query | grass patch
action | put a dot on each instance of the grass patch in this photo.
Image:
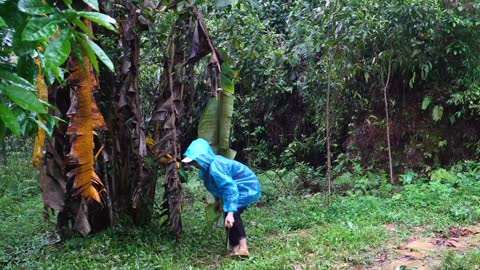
(466, 261)
(283, 233)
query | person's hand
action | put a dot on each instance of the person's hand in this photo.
(229, 220)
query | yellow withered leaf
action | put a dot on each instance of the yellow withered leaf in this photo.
(150, 142)
(84, 117)
(40, 138)
(166, 158)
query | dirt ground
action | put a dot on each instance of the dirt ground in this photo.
(425, 253)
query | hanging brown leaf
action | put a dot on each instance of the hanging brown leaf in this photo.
(84, 117)
(200, 45)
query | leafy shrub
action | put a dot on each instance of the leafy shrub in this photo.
(466, 261)
(18, 178)
(456, 191)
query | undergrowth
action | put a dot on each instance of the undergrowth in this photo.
(286, 229)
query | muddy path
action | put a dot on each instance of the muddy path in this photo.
(423, 253)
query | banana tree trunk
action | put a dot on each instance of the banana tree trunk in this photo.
(175, 86)
(130, 181)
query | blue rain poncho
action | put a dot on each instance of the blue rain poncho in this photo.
(226, 179)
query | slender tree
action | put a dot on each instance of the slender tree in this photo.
(387, 119)
(328, 119)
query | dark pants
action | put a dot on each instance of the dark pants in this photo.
(237, 231)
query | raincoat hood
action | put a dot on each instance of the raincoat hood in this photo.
(200, 151)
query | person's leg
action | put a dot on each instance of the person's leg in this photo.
(239, 236)
(233, 237)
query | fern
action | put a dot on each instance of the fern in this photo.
(437, 113)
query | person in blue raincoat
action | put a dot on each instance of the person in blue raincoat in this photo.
(230, 181)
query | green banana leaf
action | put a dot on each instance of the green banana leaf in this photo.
(216, 122)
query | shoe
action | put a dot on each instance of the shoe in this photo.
(239, 253)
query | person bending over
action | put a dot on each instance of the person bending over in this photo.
(230, 181)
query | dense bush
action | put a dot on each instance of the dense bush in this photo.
(284, 52)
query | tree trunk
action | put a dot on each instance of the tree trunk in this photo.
(128, 182)
(390, 161)
(175, 86)
(128, 179)
(329, 135)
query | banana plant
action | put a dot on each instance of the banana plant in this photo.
(216, 120)
(60, 38)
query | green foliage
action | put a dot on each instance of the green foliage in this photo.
(284, 52)
(100, 54)
(35, 7)
(9, 121)
(426, 102)
(216, 120)
(224, 3)
(437, 113)
(37, 30)
(17, 178)
(468, 260)
(92, 3)
(63, 22)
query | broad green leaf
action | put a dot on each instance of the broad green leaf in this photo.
(216, 122)
(208, 125)
(56, 119)
(437, 113)
(68, 2)
(35, 7)
(92, 3)
(48, 105)
(39, 28)
(23, 98)
(58, 50)
(227, 70)
(59, 74)
(49, 76)
(90, 54)
(12, 78)
(82, 26)
(426, 102)
(211, 215)
(226, 79)
(9, 120)
(225, 121)
(22, 47)
(26, 68)
(99, 18)
(70, 14)
(48, 130)
(227, 84)
(2, 22)
(78, 53)
(224, 3)
(27, 126)
(101, 54)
